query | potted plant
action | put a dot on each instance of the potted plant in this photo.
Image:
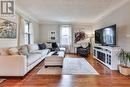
(124, 58)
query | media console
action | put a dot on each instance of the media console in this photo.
(107, 55)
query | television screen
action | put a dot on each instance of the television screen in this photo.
(106, 36)
(109, 35)
(98, 36)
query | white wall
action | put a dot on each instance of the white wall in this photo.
(121, 17)
(87, 28)
(45, 32)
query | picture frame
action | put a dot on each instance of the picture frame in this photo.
(8, 29)
(52, 32)
(53, 38)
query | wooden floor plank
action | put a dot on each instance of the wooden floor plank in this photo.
(107, 78)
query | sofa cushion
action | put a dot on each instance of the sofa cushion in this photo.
(48, 45)
(13, 51)
(24, 50)
(42, 52)
(4, 51)
(33, 47)
(33, 58)
(42, 46)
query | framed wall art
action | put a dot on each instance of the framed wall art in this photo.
(8, 29)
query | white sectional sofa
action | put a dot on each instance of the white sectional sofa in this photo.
(19, 65)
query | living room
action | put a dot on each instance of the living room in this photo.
(56, 43)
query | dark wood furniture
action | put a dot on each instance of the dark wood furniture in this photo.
(83, 51)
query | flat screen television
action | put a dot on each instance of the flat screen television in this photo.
(106, 36)
(98, 36)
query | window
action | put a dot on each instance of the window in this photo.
(65, 35)
(27, 34)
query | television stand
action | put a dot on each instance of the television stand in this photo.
(107, 56)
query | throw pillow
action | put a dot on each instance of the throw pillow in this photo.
(48, 45)
(42, 46)
(13, 51)
(23, 50)
(32, 47)
(4, 51)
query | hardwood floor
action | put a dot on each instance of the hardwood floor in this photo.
(107, 78)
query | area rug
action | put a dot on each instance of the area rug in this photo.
(71, 66)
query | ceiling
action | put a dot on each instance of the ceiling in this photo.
(83, 11)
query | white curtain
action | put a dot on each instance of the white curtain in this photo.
(21, 27)
(66, 37)
(21, 31)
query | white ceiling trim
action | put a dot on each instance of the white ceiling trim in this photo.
(25, 14)
(106, 13)
(55, 22)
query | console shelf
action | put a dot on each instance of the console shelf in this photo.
(107, 55)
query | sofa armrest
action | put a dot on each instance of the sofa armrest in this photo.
(13, 65)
